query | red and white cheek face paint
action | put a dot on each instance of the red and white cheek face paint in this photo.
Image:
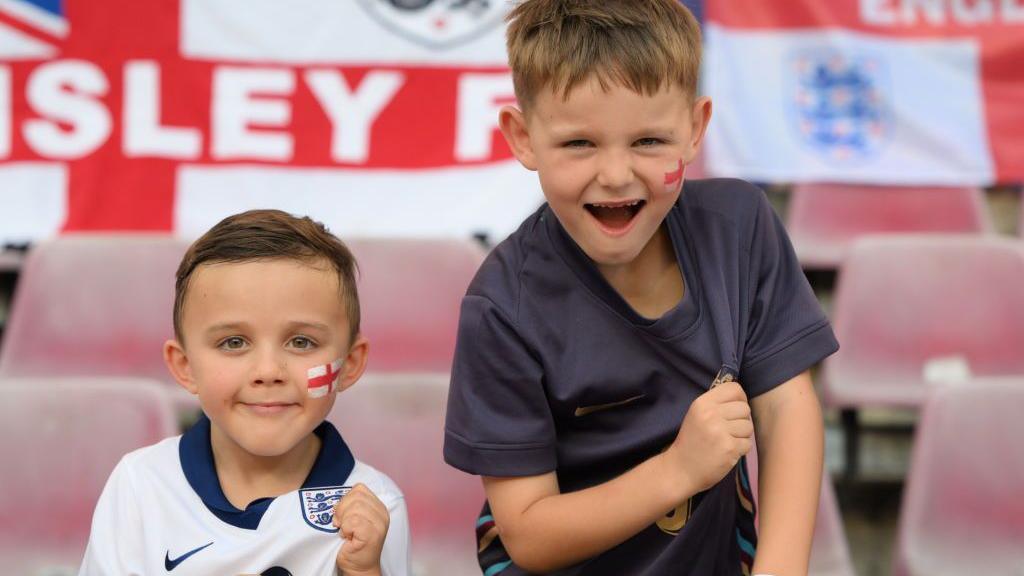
(674, 178)
(323, 378)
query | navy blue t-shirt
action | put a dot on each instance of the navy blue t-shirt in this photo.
(554, 371)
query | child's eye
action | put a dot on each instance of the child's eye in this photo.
(648, 142)
(232, 343)
(577, 144)
(302, 343)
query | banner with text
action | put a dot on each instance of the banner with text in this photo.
(376, 117)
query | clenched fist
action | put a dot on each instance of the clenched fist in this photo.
(716, 432)
(362, 520)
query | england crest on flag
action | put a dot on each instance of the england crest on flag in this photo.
(318, 505)
(437, 23)
(839, 105)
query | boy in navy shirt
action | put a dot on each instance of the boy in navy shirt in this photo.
(617, 352)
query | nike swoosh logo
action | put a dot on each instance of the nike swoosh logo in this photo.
(172, 564)
(584, 410)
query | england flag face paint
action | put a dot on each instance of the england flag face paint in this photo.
(674, 178)
(323, 378)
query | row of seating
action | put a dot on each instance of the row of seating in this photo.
(101, 305)
(59, 440)
(929, 311)
(824, 220)
(57, 456)
(963, 507)
(963, 504)
(89, 304)
(913, 310)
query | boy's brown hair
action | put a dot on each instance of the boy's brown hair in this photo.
(643, 45)
(269, 235)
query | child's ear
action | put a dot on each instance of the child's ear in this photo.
(513, 126)
(355, 363)
(700, 116)
(177, 364)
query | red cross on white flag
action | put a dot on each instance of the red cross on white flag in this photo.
(323, 378)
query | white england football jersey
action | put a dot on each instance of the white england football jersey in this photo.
(163, 512)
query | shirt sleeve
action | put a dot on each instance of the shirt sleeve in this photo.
(394, 558)
(787, 331)
(115, 541)
(499, 422)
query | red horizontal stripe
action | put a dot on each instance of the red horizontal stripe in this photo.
(416, 129)
(903, 18)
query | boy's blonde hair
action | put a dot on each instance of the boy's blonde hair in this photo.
(644, 45)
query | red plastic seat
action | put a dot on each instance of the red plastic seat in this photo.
(907, 305)
(93, 305)
(410, 292)
(963, 505)
(824, 219)
(59, 441)
(395, 423)
(830, 553)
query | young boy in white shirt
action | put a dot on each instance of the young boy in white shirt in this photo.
(266, 321)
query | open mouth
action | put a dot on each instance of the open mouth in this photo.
(615, 216)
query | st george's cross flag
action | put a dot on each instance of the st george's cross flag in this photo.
(378, 118)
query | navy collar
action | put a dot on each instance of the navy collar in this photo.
(332, 467)
(677, 322)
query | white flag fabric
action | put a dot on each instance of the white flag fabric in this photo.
(857, 91)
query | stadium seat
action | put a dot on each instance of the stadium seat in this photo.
(824, 219)
(93, 305)
(963, 504)
(59, 440)
(410, 292)
(395, 422)
(830, 553)
(910, 311)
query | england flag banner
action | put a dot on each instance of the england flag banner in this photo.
(866, 91)
(376, 117)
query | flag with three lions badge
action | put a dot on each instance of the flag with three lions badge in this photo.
(378, 117)
(870, 91)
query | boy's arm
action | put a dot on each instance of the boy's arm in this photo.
(790, 444)
(543, 529)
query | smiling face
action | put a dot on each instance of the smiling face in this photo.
(251, 333)
(610, 161)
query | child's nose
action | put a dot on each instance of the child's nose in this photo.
(270, 368)
(615, 169)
